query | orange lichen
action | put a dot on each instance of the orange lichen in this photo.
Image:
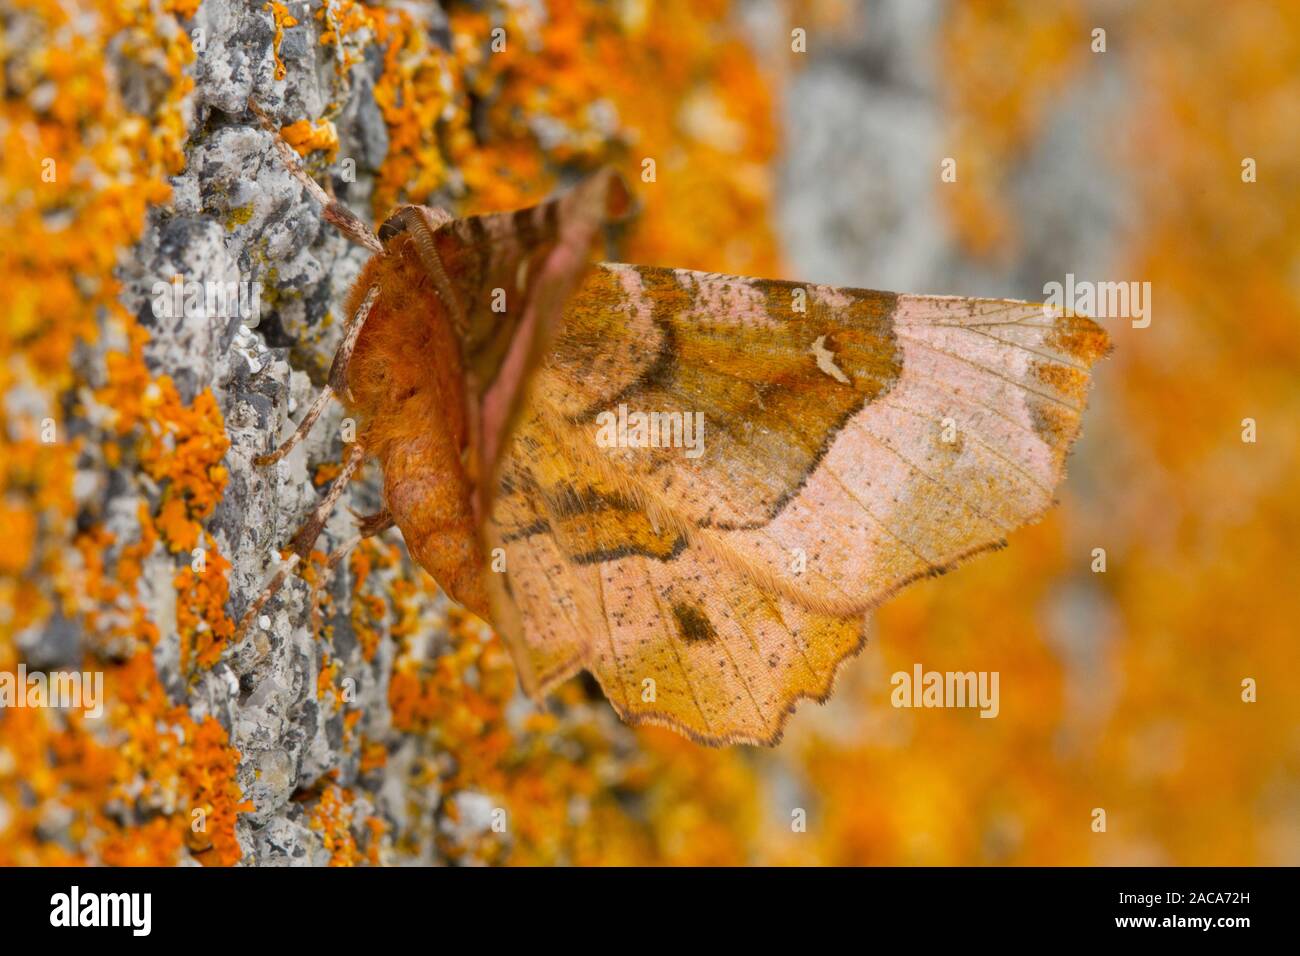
(369, 611)
(708, 129)
(174, 522)
(80, 171)
(187, 765)
(185, 9)
(190, 460)
(160, 760)
(201, 619)
(326, 680)
(412, 96)
(343, 24)
(306, 137)
(180, 447)
(374, 756)
(209, 776)
(283, 20)
(325, 473)
(376, 828)
(333, 819)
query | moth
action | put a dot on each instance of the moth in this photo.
(517, 398)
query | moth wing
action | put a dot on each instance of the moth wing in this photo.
(509, 275)
(853, 442)
(675, 634)
(967, 446)
(860, 437)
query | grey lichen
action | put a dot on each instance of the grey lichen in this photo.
(237, 215)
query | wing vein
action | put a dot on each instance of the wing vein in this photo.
(987, 447)
(996, 374)
(952, 493)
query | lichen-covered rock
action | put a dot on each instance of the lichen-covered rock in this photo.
(373, 723)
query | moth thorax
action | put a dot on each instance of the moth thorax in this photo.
(421, 223)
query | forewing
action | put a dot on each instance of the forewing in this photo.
(853, 442)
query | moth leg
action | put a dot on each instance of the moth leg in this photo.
(267, 593)
(337, 382)
(300, 544)
(371, 525)
(367, 527)
(337, 214)
(304, 427)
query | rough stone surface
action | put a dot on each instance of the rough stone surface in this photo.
(238, 215)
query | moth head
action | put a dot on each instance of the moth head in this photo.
(418, 222)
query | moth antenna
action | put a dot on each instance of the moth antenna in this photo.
(340, 216)
(266, 594)
(303, 429)
(301, 542)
